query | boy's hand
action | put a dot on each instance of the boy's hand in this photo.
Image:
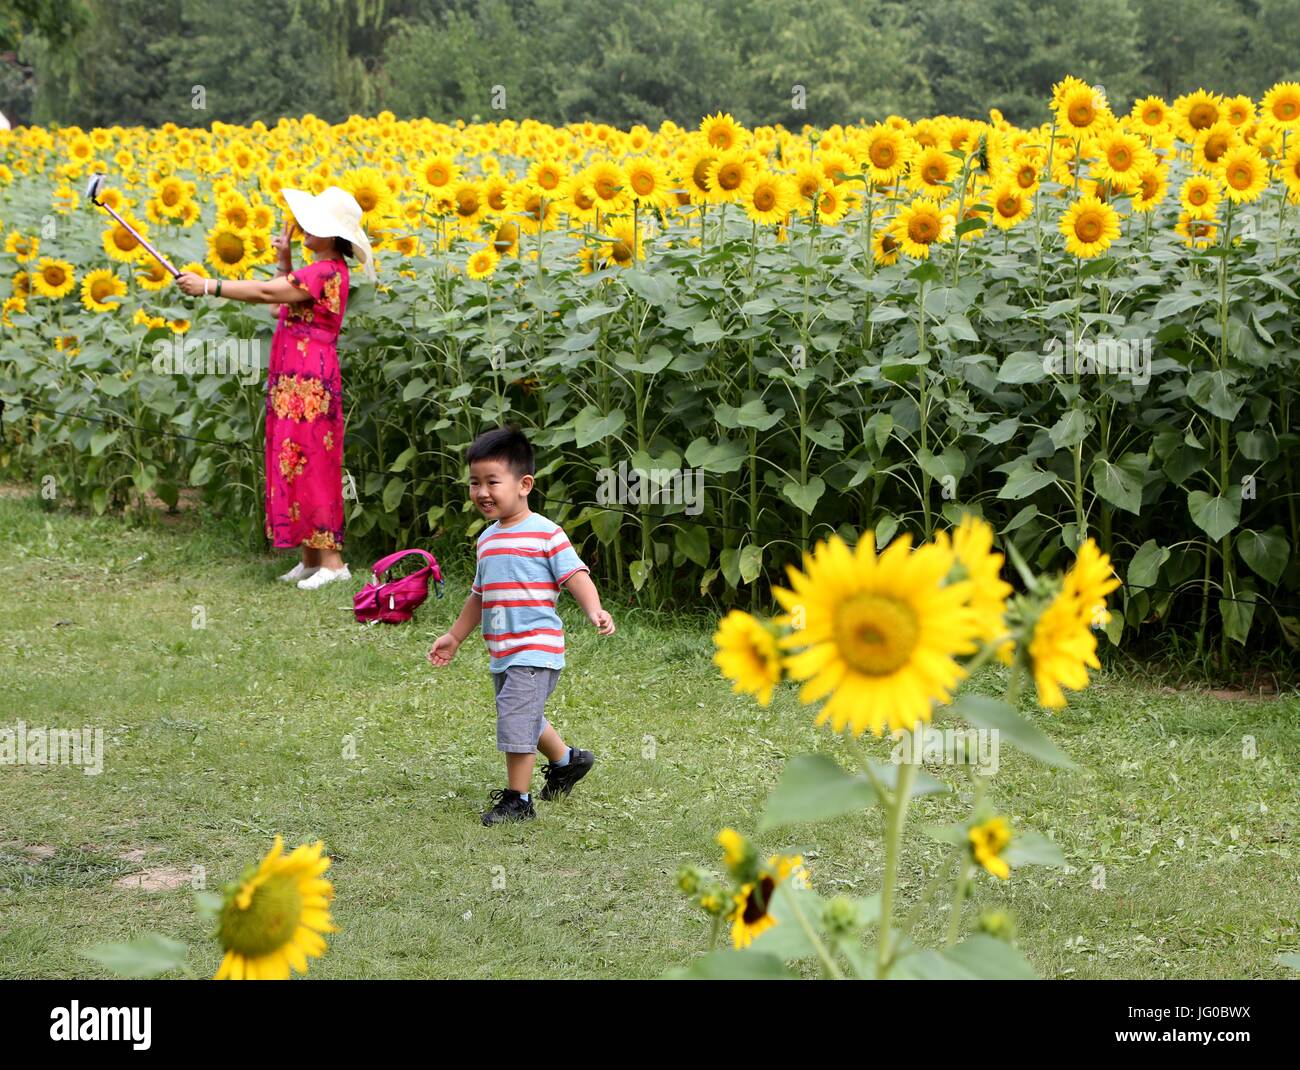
(603, 621)
(444, 649)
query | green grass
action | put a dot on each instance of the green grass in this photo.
(218, 738)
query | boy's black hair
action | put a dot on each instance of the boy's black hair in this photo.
(506, 444)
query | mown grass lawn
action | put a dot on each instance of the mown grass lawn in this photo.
(219, 737)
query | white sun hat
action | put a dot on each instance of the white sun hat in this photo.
(333, 213)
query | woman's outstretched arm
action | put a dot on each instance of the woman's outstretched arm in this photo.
(277, 291)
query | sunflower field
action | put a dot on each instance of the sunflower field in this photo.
(1084, 329)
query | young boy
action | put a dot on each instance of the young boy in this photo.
(523, 562)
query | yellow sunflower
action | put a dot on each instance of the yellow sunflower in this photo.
(1198, 111)
(932, 170)
(272, 920)
(1081, 111)
(1150, 115)
(1089, 226)
(368, 186)
(1291, 170)
(885, 247)
(920, 225)
(1151, 189)
(647, 181)
(747, 655)
(879, 633)
(102, 290)
(751, 910)
(1244, 174)
(481, 264)
(727, 175)
(1063, 646)
(120, 244)
(152, 276)
(885, 151)
(1200, 196)
(1281, 106)
(722, 132)
(53, 278)
(972, 546)
(23, 247)
(231, 251)
(436, 173)
(1120, 158)
(767, 197)
(987, 842)
(1011, 205)
(1212, 142)
(1198, 232)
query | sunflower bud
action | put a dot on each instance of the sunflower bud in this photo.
(689, 879)
(997, 923)
(841, 917)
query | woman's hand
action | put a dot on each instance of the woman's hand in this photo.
(192, 284)
(281, 245)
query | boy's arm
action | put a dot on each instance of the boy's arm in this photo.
(584, 591)
(446, 645)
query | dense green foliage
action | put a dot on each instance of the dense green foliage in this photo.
(100, 62)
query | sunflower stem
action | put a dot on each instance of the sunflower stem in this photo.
(896, 817)
(828, 960)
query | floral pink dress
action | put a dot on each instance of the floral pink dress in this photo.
(304, 414)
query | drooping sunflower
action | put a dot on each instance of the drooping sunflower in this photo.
(1197, 232)
(1063, 647)
(920, 225)
(987, 841)
(273, 919)
(767, 198)
(751, 911)
(748, 655)
(1089, 226)
(879, 633)
(1200, 196)
(230, 250)
(885, 248)
(972, 546)
(1011, 205)
(1244, 174)
(482, 264)
(1281, 106)
(102, 290)
(24, 248)
(53, 278)
(152, 275)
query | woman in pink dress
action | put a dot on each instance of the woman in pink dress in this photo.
(304, 393)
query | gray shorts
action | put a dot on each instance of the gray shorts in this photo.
(522, 691)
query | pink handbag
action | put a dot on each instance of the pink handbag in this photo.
(395, 602)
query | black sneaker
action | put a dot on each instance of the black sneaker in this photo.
(561, 778)
(509, 806)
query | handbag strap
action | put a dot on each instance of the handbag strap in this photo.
(385, 563)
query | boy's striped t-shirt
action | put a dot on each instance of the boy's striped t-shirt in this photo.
(520, 570)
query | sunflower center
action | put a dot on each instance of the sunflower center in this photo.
(883, 155)
(1286, 110)
(700, 174)
(1120, 158)
(507, 235)
(123, 240)
(466, 203)
(923, 229)
(367, 198)
(1088, 227)
(876, 634)
(1149, 186)
(1082, 113)
(729, 176)
(764, 198)
(1025, 176)
(1215, 147)
(54, 276)
(1240, 177)
(643, 183)
(229, 248)
(758, 900)
(269, 922)
(1201, 116)
(101, 289)
(1198, 195)
(621, 252)
(1008, 207)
